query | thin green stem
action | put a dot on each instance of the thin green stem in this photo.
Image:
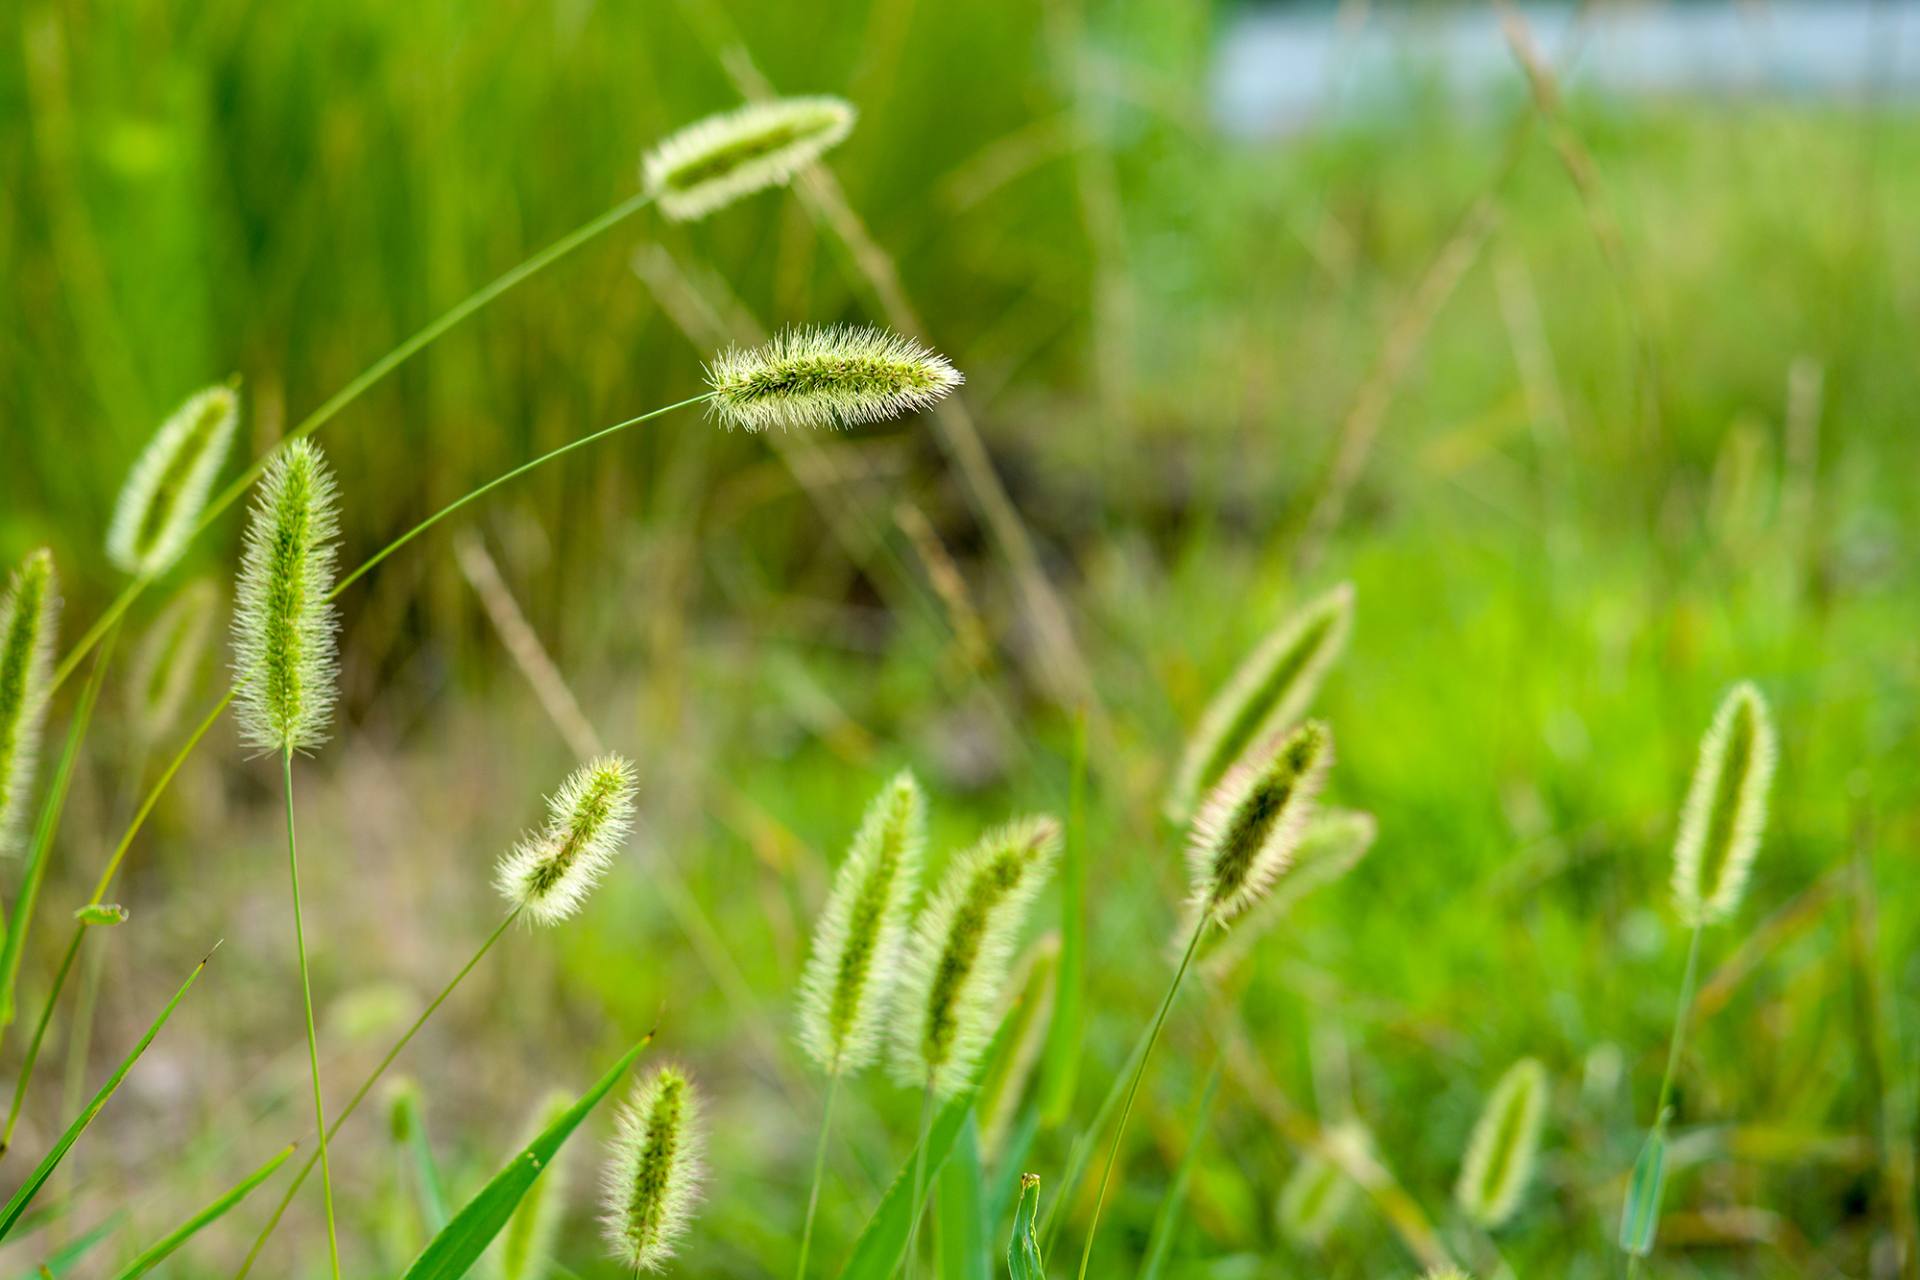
(373, 373)
(1133, 1086)
(1662, 1109)
(819, 1172)
(306, 993)
(39, 1036)
(909, 1262)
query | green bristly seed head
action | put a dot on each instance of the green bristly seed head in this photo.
(167, 488)
(524, 1248)
(551, 872)
(1269, 693)
(283, 628)
(1333, 843)
(1505, 1142)
(847, 987)
(28, 613)
(653, 1171)
(168, 658)
(957, 960)
(1247, 830)
(101, 914)
(834, 375)
(723, 158)
(1316, 1196)
(1726, 809)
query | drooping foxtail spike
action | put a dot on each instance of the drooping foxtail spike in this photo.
(550, 873)
(827, 375)
(714, 162)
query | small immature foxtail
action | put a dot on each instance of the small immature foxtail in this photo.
(653, 1171)
(1726, 809)
(167, 488)
(714, 162)
(1505, 1143)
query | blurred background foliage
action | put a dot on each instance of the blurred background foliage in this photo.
(1658, 436)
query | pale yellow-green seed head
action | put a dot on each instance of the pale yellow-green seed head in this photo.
(549, 874)
(167, 489)
(1505, 1144)
(29, 612)
(827, 376)
(1726, 809)
(1246, 831)
(724, 158)
(652, 1178)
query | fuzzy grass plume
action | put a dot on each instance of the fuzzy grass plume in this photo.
(855, 959)
(957, 961)
(827, 375)
(1332, 844)
(167, 488)
(652, 1177)
(1504, 1146)
(723, 158)
(283, 627)
(28, 614)
(1268, 694)
(1246, 832)
(551, 872)
(168, 657)
(1726, 809)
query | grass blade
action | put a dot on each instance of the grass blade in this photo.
(152, 1256)
(1167, 1222)
(54, 1264)
(10, 1216)
(1060, 1065)
(453, 1252)
(1640, 1216)
(961, 1217)
(1023, 1250)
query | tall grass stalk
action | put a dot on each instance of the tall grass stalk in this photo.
(306, 994)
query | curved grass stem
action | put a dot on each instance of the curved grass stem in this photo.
(1663, 1107)
(1133, 1086)
(306, 993)
(424, 337)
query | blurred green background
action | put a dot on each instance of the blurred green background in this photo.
(1618, 442)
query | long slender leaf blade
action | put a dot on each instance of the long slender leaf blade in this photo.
(1640, 1215)
(1166, 1223)
(10, 1216)
(962, 1209)
(152, 1256)
(1060, 1064)
(57, 1262)
(1023, 1250)
(453, 1252)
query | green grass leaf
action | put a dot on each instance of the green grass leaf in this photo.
(453, 1252)
(57, 1262)
(1640, 1216)
(10, 1216)
(154, 1255)
(961, 1218)
(1023, 1250)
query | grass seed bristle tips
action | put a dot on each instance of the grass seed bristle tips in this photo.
(1726, 809)
(1268, 693)
(1506, 1140)
(827, 375)
(723, 158)
(551, 872)
(167, 488)
(653, 1171)
(1247, 829)
(957, 960)
(854, 962)
(285, 667)
(168, 658)
(28, 614)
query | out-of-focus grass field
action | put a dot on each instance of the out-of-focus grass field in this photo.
(1163, 332)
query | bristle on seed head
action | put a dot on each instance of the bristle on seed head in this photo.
(549, 874)
(828, 375)
(653, 1171)
(1726, 809)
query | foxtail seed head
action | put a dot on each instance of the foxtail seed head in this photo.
(653, 1171)
(1506, 1140)
(1314, 1199)
(1726, 809)
(723, 158)
(167, 488)
(168, 658)
(827, 375)
(855, 960)
(1247, 829)
(551, 872)
(285, 667)
(1333, 843)
(28, 613)
(957, 960)
(1268, 693)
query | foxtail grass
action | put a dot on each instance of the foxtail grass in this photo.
(1268, 694)
(1504, 1146)
(167, 489)
(549, 874)
(653, 1171)
(29, 613)
(827, 375)
(1314, 1198)
(853, 965)
(1721, 824)
(284, 672)
(724, 158)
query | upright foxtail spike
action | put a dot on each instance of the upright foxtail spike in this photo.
(167, 488)
(830, 375)
(957, 960)
(1267, 695)
(1506, 1140)
(854, 964)
(549, 874)
(29, 612)
(285, 667)
(724, 158)
(1726, 809)
(1246, 832)
(653, 1171)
